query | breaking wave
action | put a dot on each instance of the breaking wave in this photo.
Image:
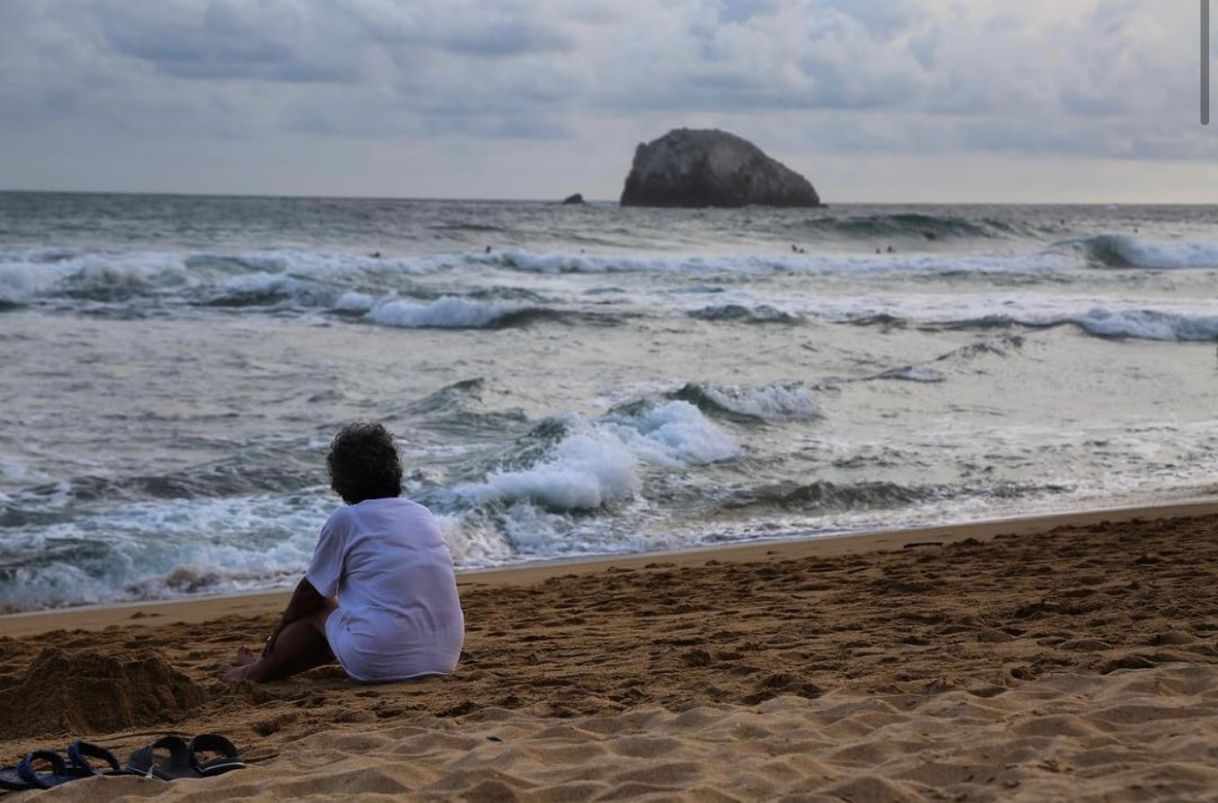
(1137, 324)
(585, 465)
(1121, 251)
(153, 551)
(451, 312)
(910, 225)
(769, 403)
(444, 313)
(770, 263)
(762, 313)
(1134, 324)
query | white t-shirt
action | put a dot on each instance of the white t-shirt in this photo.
(398, 612)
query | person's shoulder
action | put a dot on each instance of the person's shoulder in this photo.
(390, 503)
(413, 506)
(339, 518)
(391, 506)
(420, 510)
(419, 516)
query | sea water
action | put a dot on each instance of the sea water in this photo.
(578, 380)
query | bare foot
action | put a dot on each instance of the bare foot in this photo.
(245, 657)
(234, 674)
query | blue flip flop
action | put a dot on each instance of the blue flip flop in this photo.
(60, 772)
(24, 775)
(11, 781)
(79, 753)
(227, 757)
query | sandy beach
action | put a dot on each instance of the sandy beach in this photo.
(1064, 657)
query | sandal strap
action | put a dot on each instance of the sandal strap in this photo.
(80, 751)
(25, 769)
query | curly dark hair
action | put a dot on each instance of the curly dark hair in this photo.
(364, 463)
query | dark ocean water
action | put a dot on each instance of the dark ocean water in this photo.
(578, 380)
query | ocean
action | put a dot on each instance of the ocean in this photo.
(578, 380)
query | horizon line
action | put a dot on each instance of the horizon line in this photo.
(587, 201)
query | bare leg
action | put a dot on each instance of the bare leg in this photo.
(299, 647)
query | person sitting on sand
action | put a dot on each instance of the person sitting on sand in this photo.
(379, 594)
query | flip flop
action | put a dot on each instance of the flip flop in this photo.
(79, 753)
(227, 757)
(60, 772)
(166, 759)
(11, 781)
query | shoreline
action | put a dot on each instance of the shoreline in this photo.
(257, 603)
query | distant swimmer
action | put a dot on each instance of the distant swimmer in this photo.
(891, 250)
(488, 250)
(878, 251)
(795, 249)
(375, 255)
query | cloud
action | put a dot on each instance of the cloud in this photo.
(1088, 78)
(271, 40)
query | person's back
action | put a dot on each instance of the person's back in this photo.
(399, 615)
(380, 594)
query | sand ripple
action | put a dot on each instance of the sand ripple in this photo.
(1127, 736)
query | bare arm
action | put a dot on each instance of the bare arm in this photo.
(305, 600)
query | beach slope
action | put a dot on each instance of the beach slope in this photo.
(1072, 658)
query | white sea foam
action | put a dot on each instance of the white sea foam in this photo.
(164, 549)
(598, 462)
(1138, 324)
(474, 540)
(1122, 251)
(1148, 324)
(167, 549)
(585, 471)
(674, 435)
(449, 312)
(25, 275)
(351, 301)
(29, 273)
(318, 265)
(1180, 320)
(19, 281)
(746, 264)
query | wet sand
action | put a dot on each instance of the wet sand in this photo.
(1058, 657)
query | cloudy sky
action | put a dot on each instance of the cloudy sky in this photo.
(873, 100)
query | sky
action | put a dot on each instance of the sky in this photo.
(872, 100)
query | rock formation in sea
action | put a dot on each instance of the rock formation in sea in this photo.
(709, 167)
(577, 198)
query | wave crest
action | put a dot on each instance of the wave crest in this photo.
(1122, 251)
(762, 313)
(910, 225)
(769, 403)
(571, 464)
